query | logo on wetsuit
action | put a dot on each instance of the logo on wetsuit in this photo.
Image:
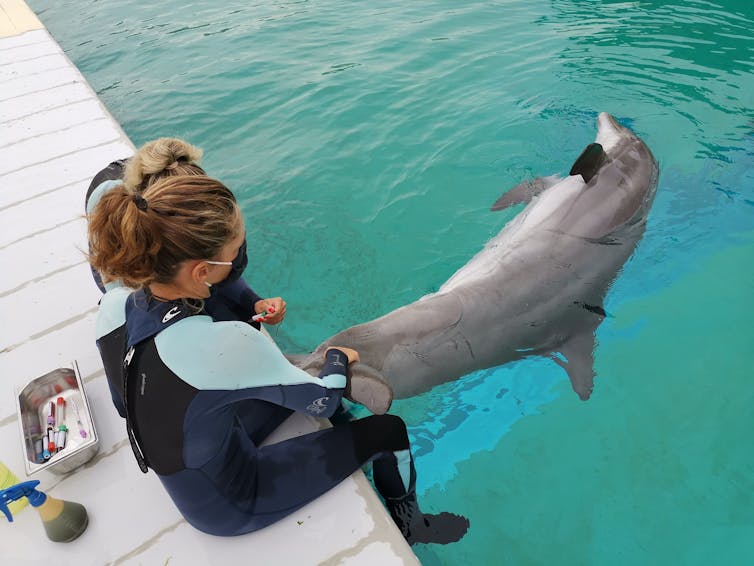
(318, 405)
(175, 311)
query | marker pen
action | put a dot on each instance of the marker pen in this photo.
(51, 415)
(263, 314)
(51, 441)
(39, 450)
(61, 437)
(60, 414)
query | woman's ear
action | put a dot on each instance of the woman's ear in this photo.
(199, 272)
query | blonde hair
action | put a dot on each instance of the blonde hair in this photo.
(160, 158)
(142, 238)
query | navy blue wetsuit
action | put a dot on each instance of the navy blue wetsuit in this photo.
(202, 396)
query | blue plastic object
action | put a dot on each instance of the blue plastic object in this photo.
(23, 489)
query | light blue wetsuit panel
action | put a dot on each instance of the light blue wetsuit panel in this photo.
(112, 311)
(97, 193)
(229, 355)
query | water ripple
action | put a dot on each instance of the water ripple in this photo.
(370, 140)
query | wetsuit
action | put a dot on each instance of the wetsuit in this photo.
(201, 397)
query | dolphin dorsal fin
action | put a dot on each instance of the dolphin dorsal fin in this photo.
(589, 162)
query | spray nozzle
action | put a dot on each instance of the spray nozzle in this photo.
(23, 489)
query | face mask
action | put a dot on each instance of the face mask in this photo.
(237, 266)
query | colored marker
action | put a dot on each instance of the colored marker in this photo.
(61, 437)
(39, 450)
(51, 441)
(263, 314)
(60, 414)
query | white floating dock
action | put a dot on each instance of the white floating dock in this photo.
(55, 135)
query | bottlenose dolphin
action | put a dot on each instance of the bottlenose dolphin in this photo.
(536, 289)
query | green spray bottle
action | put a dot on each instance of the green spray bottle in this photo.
(63, 521)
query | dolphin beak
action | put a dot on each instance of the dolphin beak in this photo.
(609, 131)
(608, 123)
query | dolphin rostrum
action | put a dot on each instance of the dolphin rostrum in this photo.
(536, 289)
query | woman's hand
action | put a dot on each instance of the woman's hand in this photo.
(275, 308)
(353, 355)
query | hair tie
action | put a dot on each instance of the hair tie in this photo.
(172, 166)
(141, 202)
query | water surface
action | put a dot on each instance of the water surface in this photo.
(367, 141)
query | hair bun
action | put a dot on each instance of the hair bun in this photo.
(160, 158)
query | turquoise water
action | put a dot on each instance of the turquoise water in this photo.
(367, 142)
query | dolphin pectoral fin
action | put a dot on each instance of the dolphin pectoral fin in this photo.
(525, 191)
(368, 387)
(365, 385)
(589, 162)
(578, 351)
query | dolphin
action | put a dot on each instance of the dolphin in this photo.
(535, 289)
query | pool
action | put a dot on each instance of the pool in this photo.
(367, 143)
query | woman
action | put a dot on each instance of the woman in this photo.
(201, 395)
(169, 157)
